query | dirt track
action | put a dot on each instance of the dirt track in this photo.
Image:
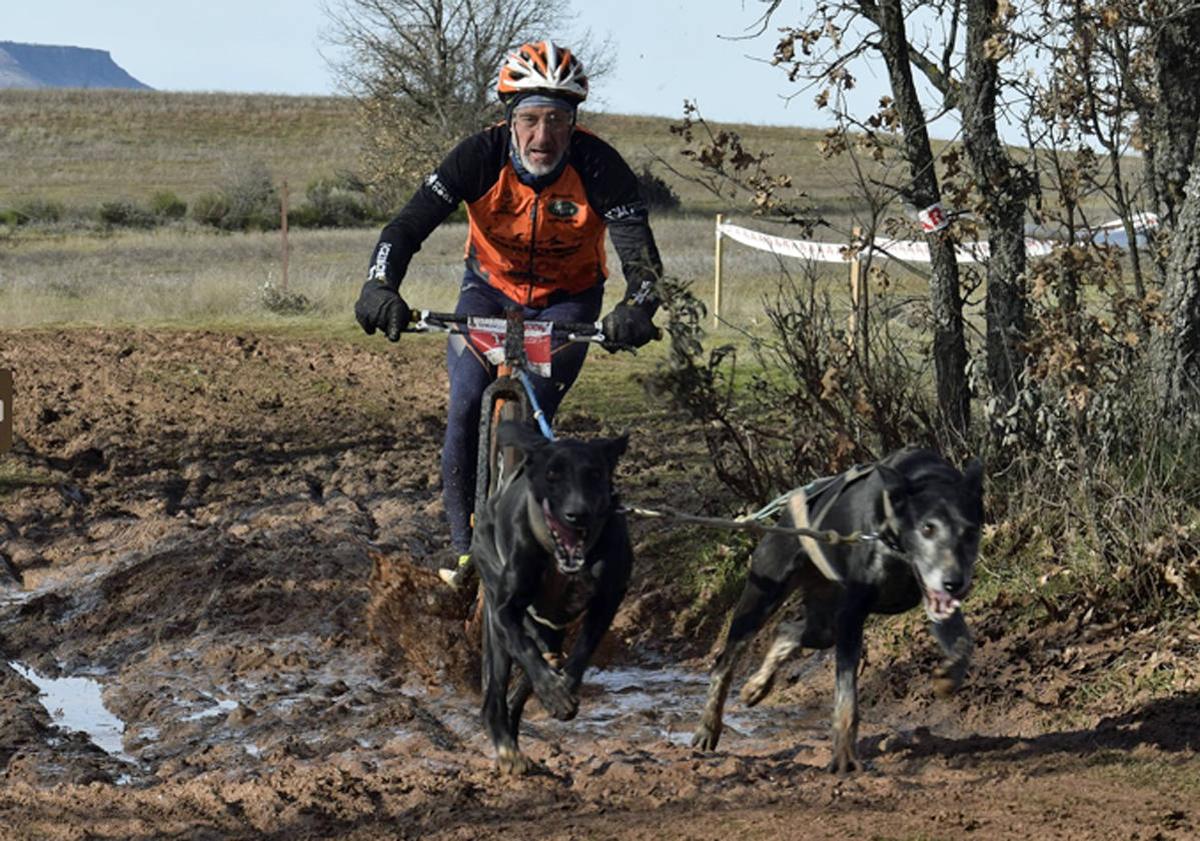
(196, 543)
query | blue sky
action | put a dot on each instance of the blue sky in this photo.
(666, 50)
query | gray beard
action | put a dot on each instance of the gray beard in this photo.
(539, 170)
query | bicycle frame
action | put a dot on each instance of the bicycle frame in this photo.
(510, 395)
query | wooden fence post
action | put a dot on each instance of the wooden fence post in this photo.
(6, 410)
(855, 291)
(717, 274)
(283, 220)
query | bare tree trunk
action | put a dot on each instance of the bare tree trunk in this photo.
(949, 344)
(1177, 111)
(1176, 179)
(1181, 342)
(1005, 187)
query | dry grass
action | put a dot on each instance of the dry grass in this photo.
(194, 276)
(82, 147)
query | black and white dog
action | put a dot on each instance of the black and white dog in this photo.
(549, 546)
(926, 516)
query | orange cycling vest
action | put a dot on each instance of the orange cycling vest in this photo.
(529, 244)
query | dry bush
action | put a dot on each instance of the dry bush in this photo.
(1110, 482)
(794, 400)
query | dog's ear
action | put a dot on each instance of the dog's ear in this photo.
(525, 437)
(614, 448)
(895, 491)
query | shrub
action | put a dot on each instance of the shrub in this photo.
(656, 192)
(168, 206)
(247, 201)
(283, 301)
(253, 202)
(126, 214)
(1107, 479)
(304, 216)
(42, 211)
(10, 217)
(337, 202)
(796, 401)
(210, 209)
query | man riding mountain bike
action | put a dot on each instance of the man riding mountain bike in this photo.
(540, 193)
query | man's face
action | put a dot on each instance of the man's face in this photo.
(542, 133)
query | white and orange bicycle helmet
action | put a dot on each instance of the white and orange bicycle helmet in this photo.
(542, 68)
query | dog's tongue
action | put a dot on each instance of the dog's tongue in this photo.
(940, 605)
(568, 538)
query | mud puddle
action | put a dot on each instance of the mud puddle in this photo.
(640, 704)
(257, 713)
(75, 704)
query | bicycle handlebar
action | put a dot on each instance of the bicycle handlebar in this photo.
(425, 321)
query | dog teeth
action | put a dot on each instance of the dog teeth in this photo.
(571, 559)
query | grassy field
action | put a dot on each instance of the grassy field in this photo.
(184, 276)
(82, 147)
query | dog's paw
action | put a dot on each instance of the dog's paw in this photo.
(756, 689)
(554, 693)
(706, 737)
(510, 762)
(844, 761)
(948, 677)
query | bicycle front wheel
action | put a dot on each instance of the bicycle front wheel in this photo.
(503, 400)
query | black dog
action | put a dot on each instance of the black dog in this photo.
(549, 546)
(927, 517)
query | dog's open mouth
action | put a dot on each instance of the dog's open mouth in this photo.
(570, 547)
(940, 605)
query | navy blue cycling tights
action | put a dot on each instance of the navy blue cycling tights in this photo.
(469, 377)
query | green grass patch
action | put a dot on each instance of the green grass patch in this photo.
(1178, 774)
(14, 478)
(710, 575)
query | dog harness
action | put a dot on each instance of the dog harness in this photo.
(811, 504)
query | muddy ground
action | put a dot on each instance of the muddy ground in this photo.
(197, 521)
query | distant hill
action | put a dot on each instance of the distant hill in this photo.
(46, 66)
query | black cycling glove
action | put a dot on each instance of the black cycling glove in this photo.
(628, 325)
(380, 307)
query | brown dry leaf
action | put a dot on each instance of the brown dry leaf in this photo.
(1185, 579)
(830, 385)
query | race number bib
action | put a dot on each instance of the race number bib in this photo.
(487, 335)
